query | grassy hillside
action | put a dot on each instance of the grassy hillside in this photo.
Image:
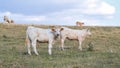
(106, 53)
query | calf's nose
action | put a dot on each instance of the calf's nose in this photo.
(57, 34)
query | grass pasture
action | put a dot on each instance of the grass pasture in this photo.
(106, 53)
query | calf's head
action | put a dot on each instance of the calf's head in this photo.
(55, 32)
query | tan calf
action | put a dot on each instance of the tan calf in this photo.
(79, 23)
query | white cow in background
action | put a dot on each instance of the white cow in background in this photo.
(34, 34)
(7, 20)
(72, 34)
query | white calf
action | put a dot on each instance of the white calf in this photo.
(34, 34)
(73, 34)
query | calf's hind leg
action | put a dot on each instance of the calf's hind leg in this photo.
(34, 47)
(80, 45)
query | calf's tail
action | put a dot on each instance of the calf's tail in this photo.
(27, 41)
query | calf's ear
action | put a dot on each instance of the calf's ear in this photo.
(61, 29)
(53, 29)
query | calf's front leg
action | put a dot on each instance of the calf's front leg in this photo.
(50, 47)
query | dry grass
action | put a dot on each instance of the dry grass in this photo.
(106, 54)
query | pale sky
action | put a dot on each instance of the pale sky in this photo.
(62, 12)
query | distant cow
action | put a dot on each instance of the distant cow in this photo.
(7, 20)
(34, 34)
(79, 23)
(72, 34)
